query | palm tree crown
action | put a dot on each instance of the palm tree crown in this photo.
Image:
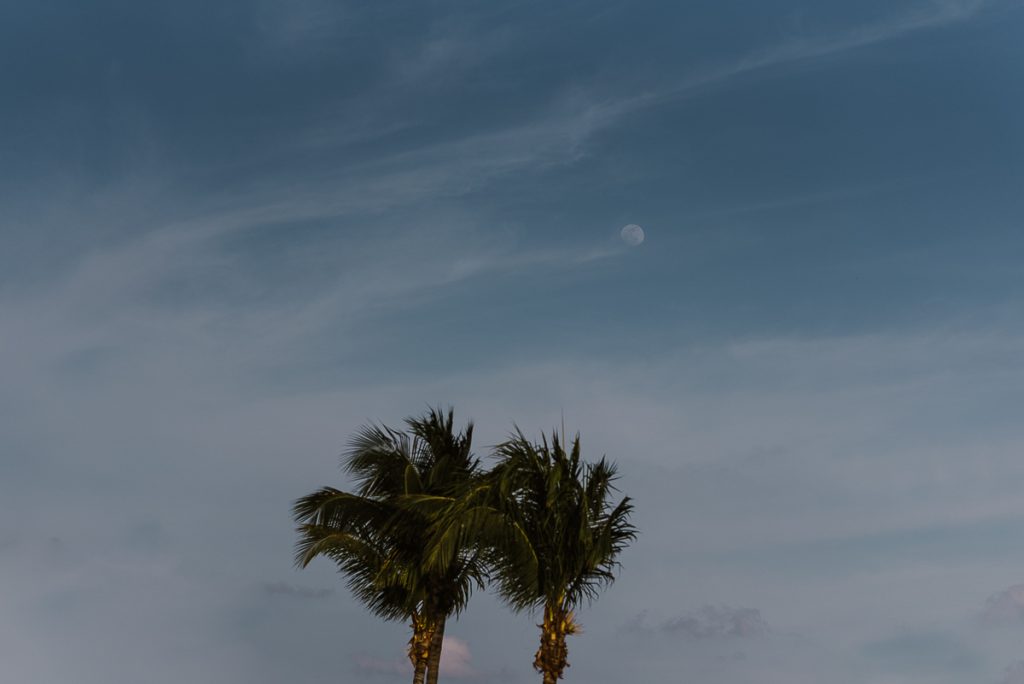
(379, 544)
(552, 529)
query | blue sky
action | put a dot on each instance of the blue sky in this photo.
(234, 232)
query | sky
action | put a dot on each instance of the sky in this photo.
(233, 232)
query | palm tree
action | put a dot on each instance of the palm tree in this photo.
(380, 545)
(553, 532)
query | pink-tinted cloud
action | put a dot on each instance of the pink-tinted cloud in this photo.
(455, 659)
(455, 662)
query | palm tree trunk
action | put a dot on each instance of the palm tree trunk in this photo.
(434, 662)
(419, 672)
(553, 655)
(419, 648)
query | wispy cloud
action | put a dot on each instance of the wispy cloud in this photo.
(559, 134)
(927, 15)
(437, 169)
(129, 296)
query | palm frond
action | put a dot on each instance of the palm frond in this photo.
(562, 507)
(378, 536)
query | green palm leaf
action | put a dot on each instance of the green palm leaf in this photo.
(378, 535)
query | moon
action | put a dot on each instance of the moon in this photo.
(632, 234)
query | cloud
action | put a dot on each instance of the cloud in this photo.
(553, 135)
(1005, 607)
(456, 659)
(924, 16)
(293, 591)
(557, 134)
(456, 662)
(718, 622)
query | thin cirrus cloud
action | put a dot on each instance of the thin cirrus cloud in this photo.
(559, 136)
(116, 299)
(925, 16)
